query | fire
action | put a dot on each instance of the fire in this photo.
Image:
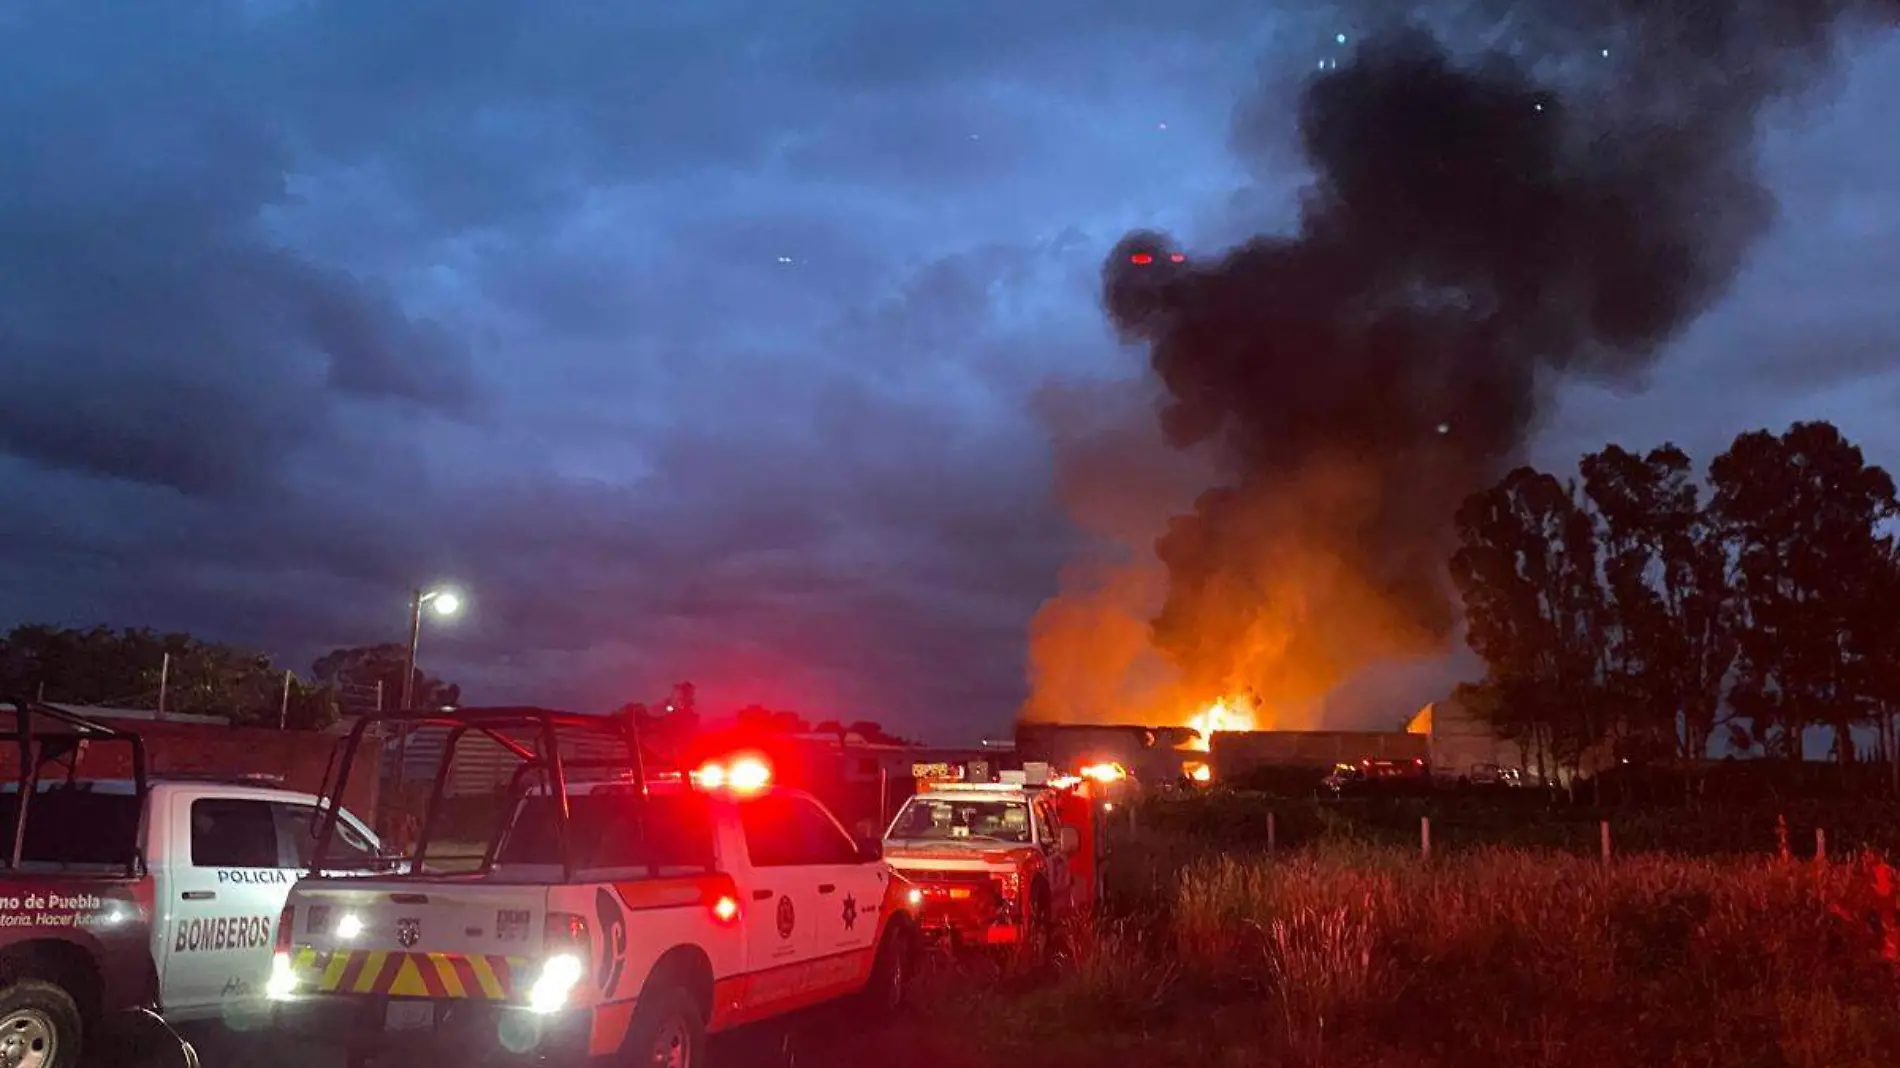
(1219, 716)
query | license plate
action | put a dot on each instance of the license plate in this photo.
(409, 1016)
(959, 895)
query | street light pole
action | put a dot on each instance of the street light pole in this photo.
(415, 638)
(446, 604)
(408, 688)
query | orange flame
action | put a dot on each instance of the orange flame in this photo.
(1230, 714)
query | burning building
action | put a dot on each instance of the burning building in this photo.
(1480, 227)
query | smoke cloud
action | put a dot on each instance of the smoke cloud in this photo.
(1481, 225)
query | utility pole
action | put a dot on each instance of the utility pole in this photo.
(408, 688)
(283, 710)
(164, 678)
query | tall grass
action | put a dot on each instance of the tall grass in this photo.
(1366, 957)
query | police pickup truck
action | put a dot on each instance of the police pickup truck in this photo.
(627, 915)
(141, 893)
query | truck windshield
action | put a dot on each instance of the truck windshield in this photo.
(74, 826)
(934, 818)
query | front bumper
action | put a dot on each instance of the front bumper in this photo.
(982, 921)
(463, 1032)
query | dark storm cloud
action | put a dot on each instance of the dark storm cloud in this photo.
(303, 303)
(152, 330)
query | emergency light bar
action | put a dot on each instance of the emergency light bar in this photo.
(743, 775)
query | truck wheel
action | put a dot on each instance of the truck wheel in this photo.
(39, 1026)
(1036, 928)
(667, 1032)
(889, 988)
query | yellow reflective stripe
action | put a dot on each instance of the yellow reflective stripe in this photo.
(408, 982)
(485, 975)
(445, 971)
(333, 972)
(372, 969)
(328, 972)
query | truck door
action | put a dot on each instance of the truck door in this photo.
(781, 896)
(226, 867)
(848, 890)
(1060, 866)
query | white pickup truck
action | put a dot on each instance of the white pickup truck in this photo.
(624, 917)
(219, 856)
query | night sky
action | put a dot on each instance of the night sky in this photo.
(713, 341)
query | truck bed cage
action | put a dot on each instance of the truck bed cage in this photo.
(36, 746)
(545, 725)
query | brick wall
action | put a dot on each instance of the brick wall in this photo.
(299, 757)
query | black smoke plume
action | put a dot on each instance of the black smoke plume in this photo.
(1479, 227)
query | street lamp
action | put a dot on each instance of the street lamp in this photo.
(444, 602)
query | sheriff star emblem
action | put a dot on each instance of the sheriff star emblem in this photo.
(850, 912)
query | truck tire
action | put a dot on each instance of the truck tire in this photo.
(1038, 922)
(889, 988)
(668, 1031)
(40, 1026)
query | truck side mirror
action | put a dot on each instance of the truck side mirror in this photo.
(1071, 840)
(870, 848)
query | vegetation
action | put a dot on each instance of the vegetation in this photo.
(1627, 611)
(126, 668)
(1366, 956)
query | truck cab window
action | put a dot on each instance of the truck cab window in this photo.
(230, 833)
(301, 824)
(825, 841)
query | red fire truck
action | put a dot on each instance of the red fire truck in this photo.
(999, 863)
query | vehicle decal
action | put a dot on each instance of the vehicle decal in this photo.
(216, 934)
(742, 999)
(787, 917)
(479, 977)
(850, 912)
(613, 941)
(511, 925)
(254, 877)
(640, 895)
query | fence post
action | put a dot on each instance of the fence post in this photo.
(1603, 838)
(1273, 834)
(1425, 837)
(1820, 845)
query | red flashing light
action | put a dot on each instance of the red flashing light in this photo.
(726, 909)
(1141, 259)
(744, 774)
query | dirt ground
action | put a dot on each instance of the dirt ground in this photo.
(803, 1043)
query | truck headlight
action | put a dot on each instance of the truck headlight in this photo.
(559, 976)
(283, 978)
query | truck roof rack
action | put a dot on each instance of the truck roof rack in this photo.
(44, 734)
(31, 717)
(220, 778)
(532, 735)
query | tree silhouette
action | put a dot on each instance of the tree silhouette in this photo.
(1527, 569)
(360, 670)
(1629, 609)
(1800, 513)
(1669, 607)
(124, 668)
